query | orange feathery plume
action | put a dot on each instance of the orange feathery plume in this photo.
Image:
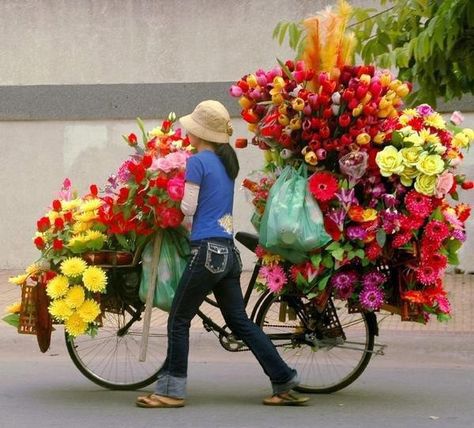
(327, 46)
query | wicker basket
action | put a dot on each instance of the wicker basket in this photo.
(27, 323)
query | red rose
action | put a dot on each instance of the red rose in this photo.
(241, 143)
(467, 185)
(68, 216)
(56, 205)
(43, 224)
(171, 217)
(94, 190)
(57, 245)
(59, 224)
(147, 161)
(132, 139)
(39, 242)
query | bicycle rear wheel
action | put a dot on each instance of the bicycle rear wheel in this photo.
(111, 358)
(326, 365)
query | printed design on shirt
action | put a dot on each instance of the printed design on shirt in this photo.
(226, 223)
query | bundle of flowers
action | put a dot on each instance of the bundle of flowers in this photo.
(142, 198)
(382, 174)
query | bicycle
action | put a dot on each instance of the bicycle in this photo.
(329, 346)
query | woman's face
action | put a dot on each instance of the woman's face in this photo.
(193, 140)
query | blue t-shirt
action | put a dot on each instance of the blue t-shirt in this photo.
(213, 216)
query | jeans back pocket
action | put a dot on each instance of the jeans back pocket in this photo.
(216, 257)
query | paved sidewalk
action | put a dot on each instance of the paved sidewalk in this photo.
(459, 286)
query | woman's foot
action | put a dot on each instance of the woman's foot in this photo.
(285, 399)
(154, 401)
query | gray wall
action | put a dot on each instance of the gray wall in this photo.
(75, 73)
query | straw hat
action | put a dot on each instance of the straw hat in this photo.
(210, 121)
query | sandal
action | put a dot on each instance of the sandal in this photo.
(153, 401)
(285, 399)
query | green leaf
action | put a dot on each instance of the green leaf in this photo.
(328, 261)
(123, 242)
(141, 125)
(323, 282)
(285, 69)
(381, 237)
(12, 319)
(333, 246)
(283, 29)
(316, 259)
(301, 281)
(338, 254)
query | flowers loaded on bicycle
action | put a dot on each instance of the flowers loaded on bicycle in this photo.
(105, 227)
(384, 177)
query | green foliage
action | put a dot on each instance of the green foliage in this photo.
(430, 42)
(12, 319)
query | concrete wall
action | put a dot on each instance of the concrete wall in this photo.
(75, 74)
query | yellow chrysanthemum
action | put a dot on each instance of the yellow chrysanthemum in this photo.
(469, 132)
(75, 325)
(92, 235)
(91, 205)
(59, 309)
(14, 308)
(404, 119)
(57, 287)
(270, 259)
(80, 227)
(89, 310)
(75, 296)
(410, 112)
(435, 120)
(78, 239)
(95, 279)
(71, 205)
(19, 279)
(86, 216)
(33, 269)
(73, 267)
(428, 137)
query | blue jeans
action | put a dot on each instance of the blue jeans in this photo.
(215, 265)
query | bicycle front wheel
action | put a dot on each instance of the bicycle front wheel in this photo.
(326, 365)
(111, 358)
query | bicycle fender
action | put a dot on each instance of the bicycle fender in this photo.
(372, 322)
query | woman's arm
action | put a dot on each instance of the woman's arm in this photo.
(190, 198)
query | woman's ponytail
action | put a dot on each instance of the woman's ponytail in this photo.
(229, 159)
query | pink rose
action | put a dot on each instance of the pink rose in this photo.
(175, 188)
(457, 118)
(444, 184)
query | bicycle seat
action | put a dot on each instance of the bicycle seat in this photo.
(249, 240)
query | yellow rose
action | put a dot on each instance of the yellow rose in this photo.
(460, 140)
(408, 174)
(363, 139)
(369, 214)
(414, 138)
(469, 132)
(390, 161)
(411, 155)
(426, 184)
(430, 164)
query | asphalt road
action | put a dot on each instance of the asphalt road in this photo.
(424, 380)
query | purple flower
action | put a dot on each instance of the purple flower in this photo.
(371, 298)
(373, 279)
(424, 110)
(378, 190)
(459, 234)
(390, 200)
(337, 216)
(344, 283)
(391, 221)
(346, 198)
(356, 232)
(354, 165)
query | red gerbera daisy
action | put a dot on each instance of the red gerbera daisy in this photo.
(418, 205)
(323, 186)
(436, 231)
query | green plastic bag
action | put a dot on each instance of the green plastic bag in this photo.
(292, 224)
(174, 255)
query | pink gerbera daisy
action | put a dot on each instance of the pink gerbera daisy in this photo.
(418, 205)
(436, 231)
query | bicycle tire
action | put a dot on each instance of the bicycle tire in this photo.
(111, 361)
(315, 366)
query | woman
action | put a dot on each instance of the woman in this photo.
(215, 263)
